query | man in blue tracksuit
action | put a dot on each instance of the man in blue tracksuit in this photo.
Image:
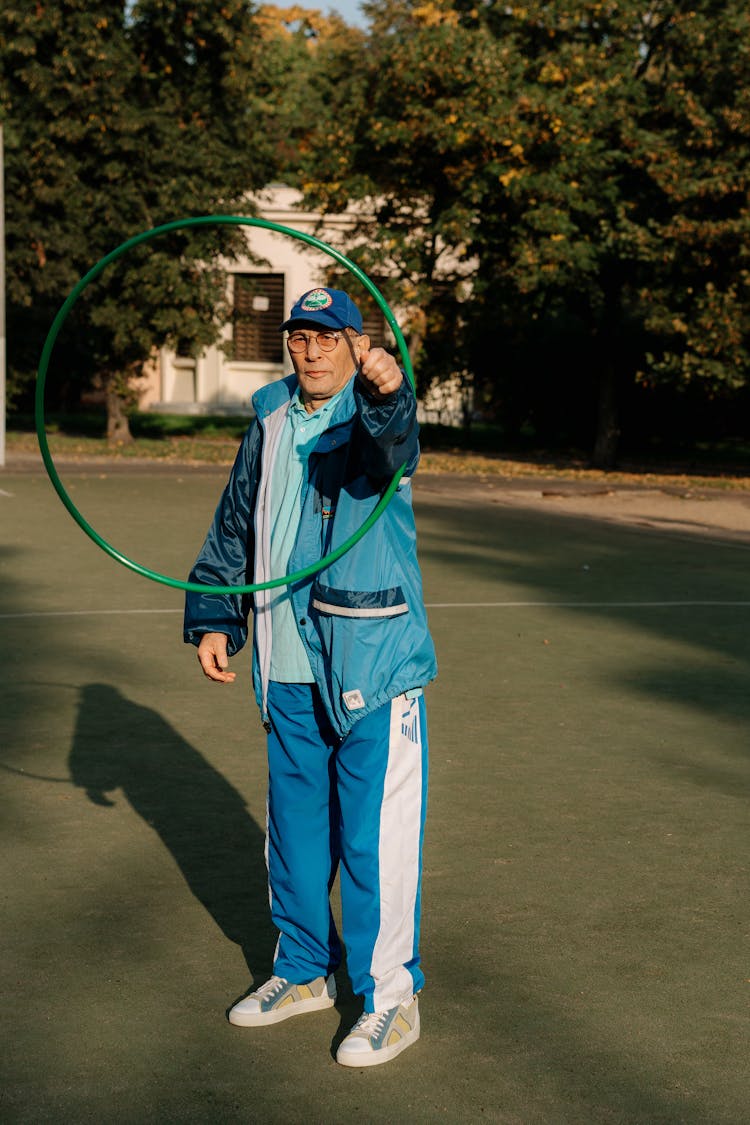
(339, 663)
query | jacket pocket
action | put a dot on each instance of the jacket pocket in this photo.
(332, 602)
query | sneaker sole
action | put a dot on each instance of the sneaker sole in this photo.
(276, 1015)
(375, 1058)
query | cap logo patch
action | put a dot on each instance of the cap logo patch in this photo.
(316, 300)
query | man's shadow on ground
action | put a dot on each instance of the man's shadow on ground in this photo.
(197, 814)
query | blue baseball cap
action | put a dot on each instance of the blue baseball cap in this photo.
(333, 308)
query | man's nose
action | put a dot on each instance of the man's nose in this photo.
(313, 347)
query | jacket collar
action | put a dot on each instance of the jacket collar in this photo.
(278, 394)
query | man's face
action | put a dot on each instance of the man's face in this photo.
(322, 374)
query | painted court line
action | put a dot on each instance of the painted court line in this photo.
(430, 605)
(576, 605)
(85, 612)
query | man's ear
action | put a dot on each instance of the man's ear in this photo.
(363, 344)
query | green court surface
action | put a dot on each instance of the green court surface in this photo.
(585, 931)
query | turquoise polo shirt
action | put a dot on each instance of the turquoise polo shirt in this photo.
(289, 663)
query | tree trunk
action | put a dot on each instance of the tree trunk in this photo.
(118, 427)
(607, 428)
(417, 330)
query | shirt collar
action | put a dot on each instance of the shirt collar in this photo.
(297, 405)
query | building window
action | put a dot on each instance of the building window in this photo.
(258, 310)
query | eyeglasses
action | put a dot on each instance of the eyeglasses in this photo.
(326, 341)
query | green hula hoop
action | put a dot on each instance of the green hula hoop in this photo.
(146, 236)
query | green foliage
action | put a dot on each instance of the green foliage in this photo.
(117, 120)
(556, 193)
(145, 425)
(390, 137)
(583, 166)
(293, 72)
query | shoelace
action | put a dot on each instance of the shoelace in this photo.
(370, 1023)
(272, 986)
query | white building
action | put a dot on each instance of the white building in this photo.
(263, 288)
(222, 380)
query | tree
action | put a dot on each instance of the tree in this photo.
(290, 85)
(695, 148)
(583, 165)
(629, 185)
(387, 141)
(117, 122)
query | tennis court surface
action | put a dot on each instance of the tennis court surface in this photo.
(586, 864)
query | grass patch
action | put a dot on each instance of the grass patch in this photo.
(480, 451)
(142, 425)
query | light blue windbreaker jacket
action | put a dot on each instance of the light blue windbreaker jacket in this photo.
(362, 619)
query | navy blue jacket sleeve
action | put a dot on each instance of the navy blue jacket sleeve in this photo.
(226, 558)
(386, 434)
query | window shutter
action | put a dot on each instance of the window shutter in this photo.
(258, 312)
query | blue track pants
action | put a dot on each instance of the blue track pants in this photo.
(356, 806)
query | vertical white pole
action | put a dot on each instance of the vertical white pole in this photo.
(2, 302)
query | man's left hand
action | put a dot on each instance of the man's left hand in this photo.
(379, 373)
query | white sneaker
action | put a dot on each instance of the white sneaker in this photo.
(377, 1037)
(278, 999)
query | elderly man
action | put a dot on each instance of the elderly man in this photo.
(339, 663)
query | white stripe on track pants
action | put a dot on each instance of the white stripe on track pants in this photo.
(359, 804)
